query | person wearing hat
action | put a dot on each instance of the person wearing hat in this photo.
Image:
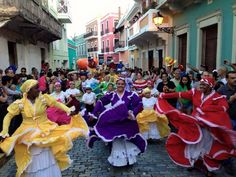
(89, 99)
(40, 145)
(206, 135)
(153, 126)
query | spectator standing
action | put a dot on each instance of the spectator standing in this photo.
(183, 104)
(23, 75)
(229, 90)
(177, 77)
(167, 86)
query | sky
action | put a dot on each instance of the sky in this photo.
(82, 11)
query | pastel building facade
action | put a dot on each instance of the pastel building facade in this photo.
(93, 38)
(204, 31)
(108, 38)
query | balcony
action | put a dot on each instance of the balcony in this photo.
(93, 49)
(102, 33)
(29, 19)
(107, 31)
(172, 7)
(64, 11)
(144, 28)
(91, 35)
(107, 49)
(120, 46)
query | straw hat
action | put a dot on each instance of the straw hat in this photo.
(170, 61)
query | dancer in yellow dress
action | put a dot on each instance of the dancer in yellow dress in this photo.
(152, 125)
(40, 145)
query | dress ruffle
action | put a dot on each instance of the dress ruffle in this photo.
(113, 123)
(43, 163)
(45, 135)
(123, 153)
(152, 125)
(192, 132)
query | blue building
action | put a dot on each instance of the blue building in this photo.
(72, 52)
(81, 46)
(205, 31)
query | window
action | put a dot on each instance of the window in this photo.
(107, 24)
(12, 53)
(108, 43)
(102, 27)
(115, 23)
(103, 44)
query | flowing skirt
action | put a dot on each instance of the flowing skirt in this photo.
(123, 153)
(153, 132)
(153, 125)
(43, 163)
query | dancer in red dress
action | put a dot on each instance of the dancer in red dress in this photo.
(206, 135)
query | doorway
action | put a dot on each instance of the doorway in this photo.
(160, 58)
(12, 52)
(209, 47)
(150, 59)
(182, 51)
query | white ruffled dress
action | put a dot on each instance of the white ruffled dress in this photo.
(43, 163)
(123, 153)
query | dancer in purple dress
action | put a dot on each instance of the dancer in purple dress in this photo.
(117, 124)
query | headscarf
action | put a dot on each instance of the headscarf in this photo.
(209, 81)
(27, 85)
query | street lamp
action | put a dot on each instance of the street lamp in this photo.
(158, 20)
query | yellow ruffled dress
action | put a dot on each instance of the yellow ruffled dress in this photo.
(149, 116)
(37, 130)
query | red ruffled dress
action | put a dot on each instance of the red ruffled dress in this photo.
(205, 135)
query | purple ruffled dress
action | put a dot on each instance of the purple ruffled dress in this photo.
(114, 126)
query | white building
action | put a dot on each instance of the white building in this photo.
(24, 37)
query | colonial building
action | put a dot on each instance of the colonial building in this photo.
(108, 38)
(121, 46)
(81, 47)
(204, 31)
(93, 37)
(72, 52)
(26, 29)
(59, 57)
(147, 44)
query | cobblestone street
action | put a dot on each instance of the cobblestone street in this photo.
(93, 162)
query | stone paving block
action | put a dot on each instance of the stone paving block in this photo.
(155, 162)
